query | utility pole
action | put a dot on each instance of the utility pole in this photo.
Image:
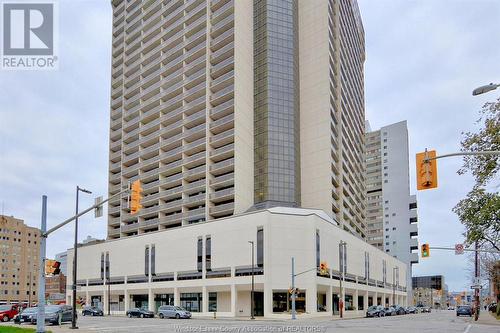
(342, 250)
(476, 290)
(40, 317)
(294, 314)
(252, 305)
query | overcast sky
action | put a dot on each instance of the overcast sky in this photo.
(423, 59)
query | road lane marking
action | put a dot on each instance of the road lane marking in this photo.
(468, 328)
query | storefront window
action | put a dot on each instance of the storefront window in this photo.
(212, 302)
(191, 301)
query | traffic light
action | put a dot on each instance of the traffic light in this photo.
(52, 267)
(323, 268)
(427, 177)
(426, 251)
(135, 197)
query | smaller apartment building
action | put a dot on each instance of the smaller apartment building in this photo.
(207, 267)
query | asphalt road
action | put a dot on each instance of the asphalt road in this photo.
(436, 322)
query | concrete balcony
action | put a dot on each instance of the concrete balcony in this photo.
(220, 11)
(221, 25)
(198, 103)
(149, 223)
(171, 181)
(114, 210)
(195, 132)
(413, 244)
(222, 195)
(195, 146)
(113, 232)
(222, 138)
(114, 221)
(222, 167)
(222, 67)
(129, 227)
(222, 40)
(222, 181)
(171, 219)
(222, 153)
(195, 119)
(413, 230)
(223, 53)
(222, 110)
(195, 213)
(196, 159)
(171, 206)
(195, 173)
(195, 186)
(222, 210)
(195, 200)
(222, 124)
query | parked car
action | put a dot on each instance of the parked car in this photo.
(411, 309)
(464, 310)
(25, 315)
(399, 309)
(390, 311)
(91, 311)
(492, 307)
(170, 311)
(140, 313)
(451, 308)
(55, 314)
(8, 312)
(375, 311)
(426, 309)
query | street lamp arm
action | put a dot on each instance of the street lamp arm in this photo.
(464, 153)
(309, 270)
(62, 224)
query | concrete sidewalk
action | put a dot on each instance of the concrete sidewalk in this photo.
(486, 318)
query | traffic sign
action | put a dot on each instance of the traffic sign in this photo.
(477, 286)
(459, 249)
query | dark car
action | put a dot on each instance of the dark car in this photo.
(7, 312)
(411, 309)
(390, 311)
(92, 311)
(375, 311)
(399, 309)
(426, 309)
(140, 313)
(464, 310)
(55, 314)
(492, 307)
(26, 315)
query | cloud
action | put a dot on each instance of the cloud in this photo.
(423, 60)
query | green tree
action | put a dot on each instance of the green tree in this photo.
(479, 212)
(483, 167)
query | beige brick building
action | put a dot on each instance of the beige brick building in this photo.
(19, 251)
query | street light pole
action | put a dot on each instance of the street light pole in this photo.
(342, 249)
(252, 305)
(476, 290)
(75, 253)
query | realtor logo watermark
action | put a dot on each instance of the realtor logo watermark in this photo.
(29, 35)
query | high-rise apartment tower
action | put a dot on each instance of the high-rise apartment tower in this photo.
(224, 106)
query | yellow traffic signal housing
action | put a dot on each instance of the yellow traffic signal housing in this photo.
(48, 266)
(135, 197)
(427, 176)
(52, 267)
(426, 252)
(323, 268)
